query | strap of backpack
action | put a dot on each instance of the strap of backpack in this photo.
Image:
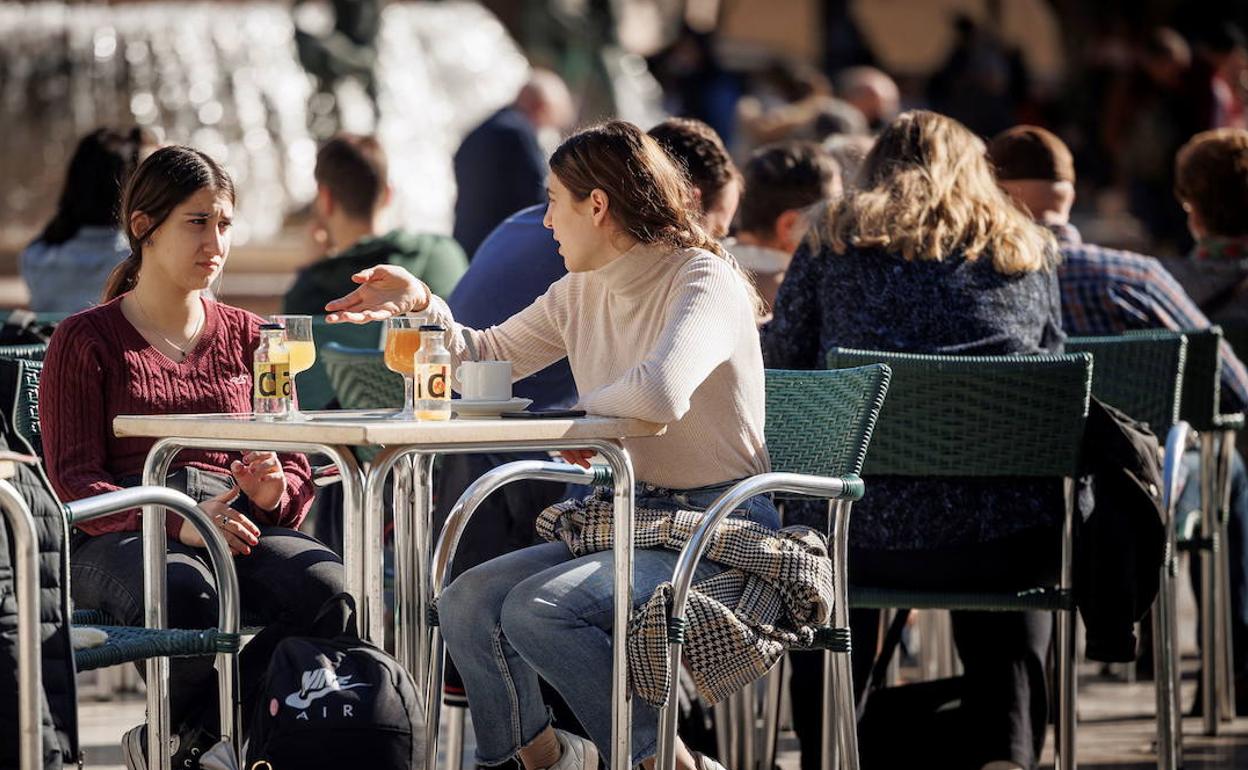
(879, 669)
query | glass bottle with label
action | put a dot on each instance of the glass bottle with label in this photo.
(271, 396)
(433, 375)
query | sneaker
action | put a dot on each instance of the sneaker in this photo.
(134, 747)
(184, 750)
(577, 753)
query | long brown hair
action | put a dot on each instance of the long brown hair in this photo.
(160, 184)
(651, 198)
(926, 191)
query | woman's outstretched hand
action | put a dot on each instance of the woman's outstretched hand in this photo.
(384, 291)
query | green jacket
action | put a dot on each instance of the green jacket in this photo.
(435, 259)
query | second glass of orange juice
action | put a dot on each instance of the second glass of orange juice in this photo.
(402, 342)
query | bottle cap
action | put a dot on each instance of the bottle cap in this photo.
(271, 327)
(432, 328)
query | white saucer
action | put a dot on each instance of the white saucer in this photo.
(475, 408)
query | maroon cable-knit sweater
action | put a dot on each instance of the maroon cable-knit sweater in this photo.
(98, 366)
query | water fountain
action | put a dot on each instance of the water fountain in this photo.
(224, 77)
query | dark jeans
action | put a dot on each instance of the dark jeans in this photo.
(1005, 700)
(282, 584)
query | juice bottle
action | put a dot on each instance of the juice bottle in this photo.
(432, 364)
(271, 397)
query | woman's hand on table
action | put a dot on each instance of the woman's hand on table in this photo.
(384, 291)
(579, 457)
(260, 475)
(240, 532)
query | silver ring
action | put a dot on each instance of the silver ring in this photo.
(224, 519)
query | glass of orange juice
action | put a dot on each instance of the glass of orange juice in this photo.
(402, 342)
(302, 352)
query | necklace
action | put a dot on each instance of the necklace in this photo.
(152, 325)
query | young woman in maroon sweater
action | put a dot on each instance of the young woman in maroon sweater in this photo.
(155, 346)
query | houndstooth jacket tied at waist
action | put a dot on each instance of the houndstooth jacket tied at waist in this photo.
(774, 595)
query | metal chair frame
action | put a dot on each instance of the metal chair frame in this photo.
(29, 663)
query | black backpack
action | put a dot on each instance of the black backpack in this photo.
(332, 700)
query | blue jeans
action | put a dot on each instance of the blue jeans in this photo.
(1236, 546)
(540, 613)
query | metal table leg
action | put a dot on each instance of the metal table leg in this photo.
(155, 472)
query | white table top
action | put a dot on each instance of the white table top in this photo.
(371, 428)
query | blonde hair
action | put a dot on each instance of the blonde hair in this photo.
(926, 191)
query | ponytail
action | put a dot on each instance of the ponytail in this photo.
(123, 277)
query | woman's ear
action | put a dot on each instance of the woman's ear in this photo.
(599, 205)
(139, 224)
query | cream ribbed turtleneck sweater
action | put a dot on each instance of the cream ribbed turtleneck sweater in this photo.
(660, 335)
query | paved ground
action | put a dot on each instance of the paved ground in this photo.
(1116, 730)
(1116, 724)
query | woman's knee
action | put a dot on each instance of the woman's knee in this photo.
(471, 601)
(192, 597)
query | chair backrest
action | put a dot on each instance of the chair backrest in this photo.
(1202, 378)
(360, 378)
(977, 415)
(21, 366)
(1141, 374)
(32, 352)
(820, 422)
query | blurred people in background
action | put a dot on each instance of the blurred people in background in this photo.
(836, 117)
(982, 82)
(701, 154)
(695, 83)
(849, 151)
(1104, 291)
(500, 167)
(783, 183)
(1217, 76)
(1147, 118)
(352, 192)
(66, 267)
(783, 102)
(927, 255)
(1211, 182)
(872, 91)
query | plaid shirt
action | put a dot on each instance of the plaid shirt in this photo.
(1107, 291)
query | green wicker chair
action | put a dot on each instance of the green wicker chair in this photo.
(819, 425)
(1142, 374)
(360, 378)
(993, 416)
(314, 388)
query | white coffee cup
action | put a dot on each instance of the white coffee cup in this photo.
(484, 380)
